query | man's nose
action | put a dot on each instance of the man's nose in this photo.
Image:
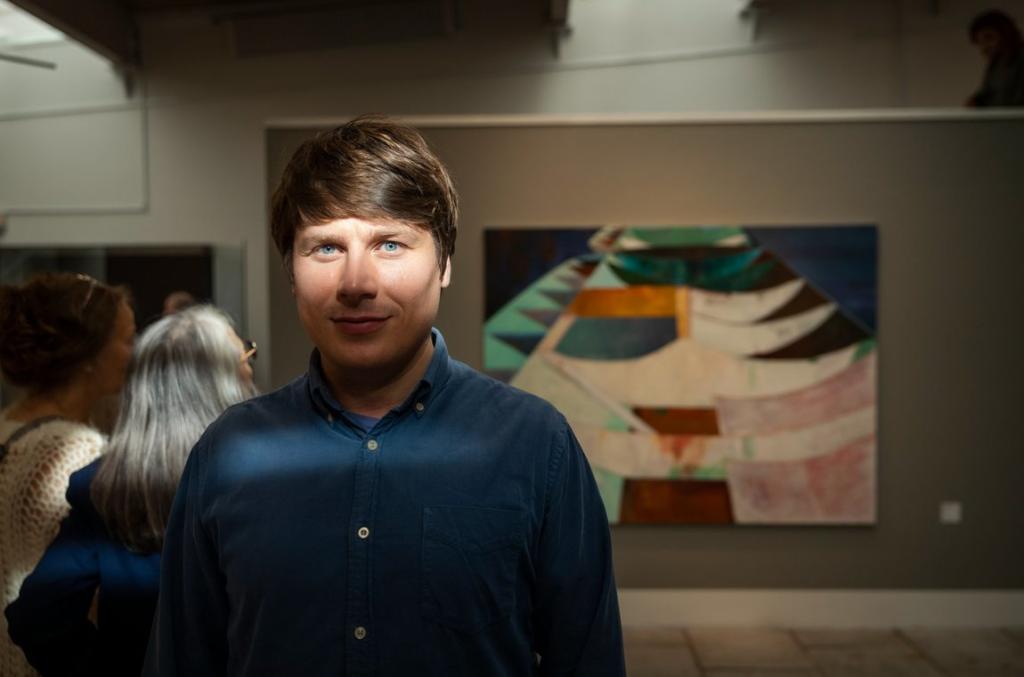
(358, 277)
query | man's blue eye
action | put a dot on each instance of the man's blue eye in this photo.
(390, 247)
(326, 248)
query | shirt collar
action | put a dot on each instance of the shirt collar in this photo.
(429, 385)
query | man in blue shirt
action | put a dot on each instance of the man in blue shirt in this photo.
(392, 512)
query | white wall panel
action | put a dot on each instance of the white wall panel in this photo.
(86, 162)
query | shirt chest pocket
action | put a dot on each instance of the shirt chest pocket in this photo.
(470, 563)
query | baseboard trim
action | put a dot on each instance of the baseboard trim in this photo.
(822, 608)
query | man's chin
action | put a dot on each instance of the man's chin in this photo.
(364, 355)
(373, 355)
(356, 360)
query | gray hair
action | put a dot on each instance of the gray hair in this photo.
(185, 371)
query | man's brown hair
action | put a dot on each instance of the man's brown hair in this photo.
(370, 168)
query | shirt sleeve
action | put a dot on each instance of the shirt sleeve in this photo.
(49, 619)
(189, 634)
(576, 609)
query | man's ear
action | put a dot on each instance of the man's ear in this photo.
(446, 276)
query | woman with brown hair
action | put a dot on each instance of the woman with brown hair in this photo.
(186, 370)
(66, 340)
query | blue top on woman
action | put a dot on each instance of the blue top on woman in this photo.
(50, 618)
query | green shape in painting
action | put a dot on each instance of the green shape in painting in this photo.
(610, 486)
(684, 237)
(604, 278)
(743, 280)
(551, 282)
(711, 473)
(617, 424)
(733, 272)
(509, 320)
(534, 299)
(864, 348)
(562, 298)
(498, 355)
(616, 338)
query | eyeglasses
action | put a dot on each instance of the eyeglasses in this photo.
(250, 351)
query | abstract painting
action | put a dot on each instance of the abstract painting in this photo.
(713, 375)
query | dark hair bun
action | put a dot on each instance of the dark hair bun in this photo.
(51, 325)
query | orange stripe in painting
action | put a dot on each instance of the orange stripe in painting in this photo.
(638, 301)
(682, 311)
(680, 421)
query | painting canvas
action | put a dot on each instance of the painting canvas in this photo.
(713, 375)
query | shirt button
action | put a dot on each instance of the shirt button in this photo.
(360, 632)
(363, 532)
(420, 407)
(372, 445)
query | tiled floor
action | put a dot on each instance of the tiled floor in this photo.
(748, 652)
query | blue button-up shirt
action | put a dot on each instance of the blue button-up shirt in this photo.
(463, 534)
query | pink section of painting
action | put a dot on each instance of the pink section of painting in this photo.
(849, 390)
(835, 487)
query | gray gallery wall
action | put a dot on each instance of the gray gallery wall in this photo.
(948, 198)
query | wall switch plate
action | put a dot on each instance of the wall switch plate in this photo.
(950, 512)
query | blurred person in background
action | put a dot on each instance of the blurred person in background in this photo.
(87, 607)
(66, 340)
(177, 301)
(998, 39)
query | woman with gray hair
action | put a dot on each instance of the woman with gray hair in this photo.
(88, 606)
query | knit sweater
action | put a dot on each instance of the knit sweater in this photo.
(33, 479)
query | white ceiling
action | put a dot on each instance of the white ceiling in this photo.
(18, 28)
